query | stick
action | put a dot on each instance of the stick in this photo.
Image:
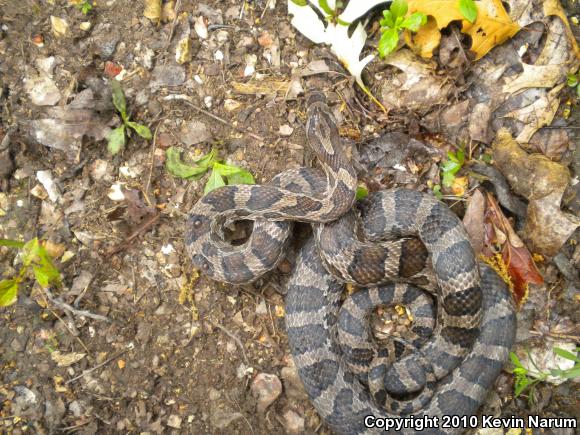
(142, 228)
(98, 366)
(233, 337)
(66, 307)
(187, 100)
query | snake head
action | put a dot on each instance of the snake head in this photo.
(197, 226)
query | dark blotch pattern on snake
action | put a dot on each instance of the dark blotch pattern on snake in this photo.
(407, 236)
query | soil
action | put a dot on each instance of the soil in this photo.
(166, 350)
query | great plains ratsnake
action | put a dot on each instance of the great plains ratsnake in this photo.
(447, 369)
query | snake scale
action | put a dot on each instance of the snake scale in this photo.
(399, 236)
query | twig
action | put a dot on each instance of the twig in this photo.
(98, 366)
(187, 100)
(170, 36)
(233, 337)
(142, 228)
(66, 307)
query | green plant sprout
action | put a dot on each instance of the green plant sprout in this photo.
(451, 166)
(573, 81)
(85, 6)
(36, 262)
(117, 138)
(393, 22)
(524, 380)
(221, 174)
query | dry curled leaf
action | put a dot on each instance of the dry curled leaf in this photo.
(537, 115)
(542, 182)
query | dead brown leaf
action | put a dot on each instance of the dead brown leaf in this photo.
(542, 182)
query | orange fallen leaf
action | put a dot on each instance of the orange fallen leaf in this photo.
(492, 27)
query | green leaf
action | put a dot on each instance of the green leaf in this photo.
(215, 181)
(468, 9)
(140, 129)
(388, 20)
(399, 8)
(572, 80)
(30, 250)
(116, 140)
(520, 385)
(300, 2)
(414, 21)
(520, 371)
(566, 354)
(207, 160)
(515, 360)
(572, 373)
(8, 292)
(11, 243)
(437, 191)
(225, 170)
(179, 169)
(325, 7)
(242, 177)
(361, 192)
(119, 98)
(41, 276)
(388, 42)
(47, 266)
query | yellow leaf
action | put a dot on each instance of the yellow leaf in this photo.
(492, 27)
(425, 41)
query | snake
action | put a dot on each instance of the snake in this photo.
(395, 244)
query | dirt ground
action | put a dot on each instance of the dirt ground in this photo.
(164, 350)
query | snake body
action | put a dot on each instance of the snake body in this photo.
(406, 236)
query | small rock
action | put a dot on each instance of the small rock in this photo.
(261, 308)
(59, 26)
(42, 90)
(194, 132)
(81, 282)
(105, 40)
(18, 344)
(266, 388)
(167, 75)
(77, 408)
(231, 105)
(292, 383)
(174, 421)
(222, 418)
(285, 130)
(214, 394)
(99, 169)
(293, 422)
(265, 40)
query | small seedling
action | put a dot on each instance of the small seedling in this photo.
(36, 262)
(451, 166)
(468, 9)
(394, 22)
(524, 380)
(117, 138)
(85, 6)
(574, 82)
(361, 192)
(221, 174)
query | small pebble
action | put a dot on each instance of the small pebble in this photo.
(266, 388)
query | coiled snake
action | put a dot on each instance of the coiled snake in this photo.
(447, 369)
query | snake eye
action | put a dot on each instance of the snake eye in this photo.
(205, 266)
(197, 223)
